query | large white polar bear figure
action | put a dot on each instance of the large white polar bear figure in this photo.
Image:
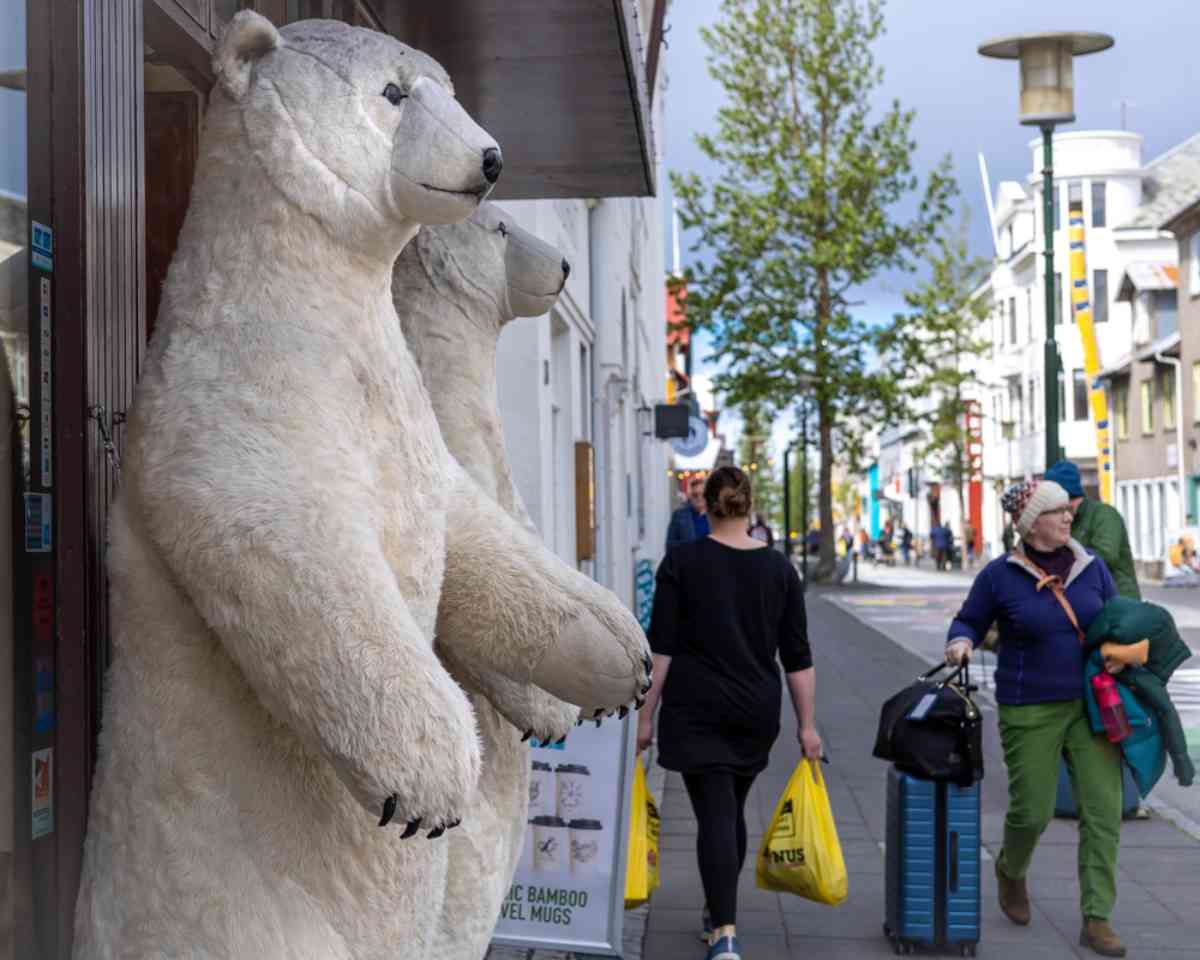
(277, 723)
(455, 288)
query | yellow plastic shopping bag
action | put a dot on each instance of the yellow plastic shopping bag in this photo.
(641, 876)
(800, 852)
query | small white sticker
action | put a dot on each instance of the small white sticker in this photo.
(43, 792)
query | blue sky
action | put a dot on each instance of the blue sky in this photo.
(965, 103)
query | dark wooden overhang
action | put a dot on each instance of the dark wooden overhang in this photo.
(561, 84)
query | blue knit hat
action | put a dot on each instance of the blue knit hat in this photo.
(1066, 475)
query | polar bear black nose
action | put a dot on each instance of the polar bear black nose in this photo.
(566, 268)
(492, 164)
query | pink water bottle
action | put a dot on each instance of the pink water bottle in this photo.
(1112, 710)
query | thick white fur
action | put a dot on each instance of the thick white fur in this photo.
(279, 543)
(455, 288)
(277, 546)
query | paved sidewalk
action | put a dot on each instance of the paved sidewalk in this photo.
(1158, 913)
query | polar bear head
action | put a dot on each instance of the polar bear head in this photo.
(351, 125)
(491, 268)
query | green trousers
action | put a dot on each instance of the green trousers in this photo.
(1035, 736)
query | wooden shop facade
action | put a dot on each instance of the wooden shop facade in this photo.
(106, 99)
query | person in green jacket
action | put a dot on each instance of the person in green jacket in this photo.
(1100, 528)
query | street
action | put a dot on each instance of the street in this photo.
(858, 666)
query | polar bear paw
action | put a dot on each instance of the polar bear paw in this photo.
(599, 661)
(389, 811)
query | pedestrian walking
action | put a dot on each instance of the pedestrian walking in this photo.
(689, 522)
(937, 542)
(724, 608)
(761, 530)
(906, 544)
(1100, 528)
(969, 543)
(1043, 596)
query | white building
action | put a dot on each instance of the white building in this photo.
(1104, 169)
(590, 373)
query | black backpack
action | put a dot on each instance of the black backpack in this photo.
(933, 729)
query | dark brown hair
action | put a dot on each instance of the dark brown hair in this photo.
(727, 493)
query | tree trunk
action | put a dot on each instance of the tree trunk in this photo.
(828, 560)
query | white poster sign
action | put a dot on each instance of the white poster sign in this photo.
(569, 889)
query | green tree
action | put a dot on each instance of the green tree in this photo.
(805, 208)
(755, 457)
(936, 342)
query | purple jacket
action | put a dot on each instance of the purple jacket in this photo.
(1040, 658)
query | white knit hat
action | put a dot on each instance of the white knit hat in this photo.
(1028, 500)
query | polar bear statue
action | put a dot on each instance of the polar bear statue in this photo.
(281, 748)
(455, 287)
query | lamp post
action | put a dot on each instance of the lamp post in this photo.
(1047, 99)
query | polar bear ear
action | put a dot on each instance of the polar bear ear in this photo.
(248, 38)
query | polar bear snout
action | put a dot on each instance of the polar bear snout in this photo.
(536, 271)
(443, 163)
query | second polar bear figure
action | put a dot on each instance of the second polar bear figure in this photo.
(455, 288)
(281, 748)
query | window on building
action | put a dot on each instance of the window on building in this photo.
(1196, 392)
(1012, 319)
(1120, 396)
(1166, 386)
(1166, 313)
(1062, 396)
(1029, 313)
(1058, 298)
(1146, 399)
(1100, 296)
(1000, 323)
(1194, 269)
(1079, 394)
(1099, 198)
(1032, 396)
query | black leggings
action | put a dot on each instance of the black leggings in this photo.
(719, 800)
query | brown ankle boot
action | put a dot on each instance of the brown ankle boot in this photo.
(1014, 900)
(1099, 935)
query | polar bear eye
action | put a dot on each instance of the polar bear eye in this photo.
(392, 92)
(503, 229)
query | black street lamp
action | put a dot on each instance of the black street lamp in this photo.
(1047, 99)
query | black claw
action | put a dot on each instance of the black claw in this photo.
(649, 664)
(598, 713)
(389, 810)
(528, 734)
(598, 722)
(579, 722)
(623, 712)
(411, 829)
(638, 703)
(435, 833)
(560, 742)
(451, 826)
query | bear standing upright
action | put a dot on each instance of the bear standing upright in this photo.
(456, 287)
(279, 545)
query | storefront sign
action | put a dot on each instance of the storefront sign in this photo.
(569, 890)
(43, 792)
(47, 393)
(42, 252)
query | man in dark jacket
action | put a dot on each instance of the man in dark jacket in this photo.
(689, 522)
(1100, 528)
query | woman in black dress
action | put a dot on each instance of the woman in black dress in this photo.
(724, 607)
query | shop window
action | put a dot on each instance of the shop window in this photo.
(1100, 296)
(1166, 382)
(1194, 261)
(1121, 409)
(1146, 398)
(1079, 394)
(1099, 198)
